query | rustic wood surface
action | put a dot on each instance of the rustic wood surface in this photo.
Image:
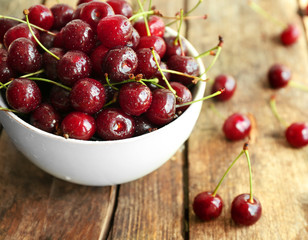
(35, 205)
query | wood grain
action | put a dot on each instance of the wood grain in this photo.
(279, 172)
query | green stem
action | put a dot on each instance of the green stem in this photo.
(150, 5)
(201, 99)
(32, 74)
(225, 174)
(298, 86)
(206, 53)
(32, 25)
(250, 172)
(274, 110)
(137, 15)
(145, 19)
(178, 38)
(39, 43)
(265, 14)
(50, 81)
(213, 108)
(8, 110)
(182, 74)
(162, 74)
(213, 62)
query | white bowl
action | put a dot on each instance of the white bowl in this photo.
(103, 163)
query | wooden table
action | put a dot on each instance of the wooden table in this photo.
(35, 205)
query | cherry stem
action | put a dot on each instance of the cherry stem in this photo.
(254, 6)
(219, 47)
(274, 110)
(298, 86)
(113, 100)
(50, 81)
(182, 74)
(32, 74)
(26, 13)
(32, 25)
(202, 99)
(161, 72)
(145, 19)
(245, 149)
(178, 37)
(214, 109)
(150, 5)
(189, 12)
(8, 110)
(226, 172)
(141, 14)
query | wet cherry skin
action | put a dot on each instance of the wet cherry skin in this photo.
(97, 57)
(41, 16)
(279, 76)
(62, 13)
(50, 63)
(228, 83)
(297, 134)
(87, 95)
(119, 31)
(78, 125)
(244, 212)
(183, 95)
(5, 25)
(156, 25)
(146, 62)
(114, 124)
(156, 42)
(290, 35)
(6, 72)
(121, 7)
(45, 117)
(143, 126)
(134, 41)
(173, 47)
(59, 99)
(206, 206)
(135, 98)
(236, 127)
(23, 95)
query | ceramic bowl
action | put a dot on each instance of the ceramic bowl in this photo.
(103, 163)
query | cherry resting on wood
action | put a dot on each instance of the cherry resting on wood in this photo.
(236, 127)
(228, 83)
(297, 135)
(279, 76)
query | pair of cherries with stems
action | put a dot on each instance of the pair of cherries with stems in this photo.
(296, 133)
(289, 33)
(246, 209)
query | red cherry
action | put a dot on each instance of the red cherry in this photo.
(41, 16)
(63, 14)
(121, 7)
(297, 134)
(279, 76)
(290, 35)
(228, 83)
(156, 26)
(183, 93)
(78, 125)
(236, 127)
(5, 25)
(156, 42)
(244, 212)
(206, 206)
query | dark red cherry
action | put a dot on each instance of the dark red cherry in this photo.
(244, 212)
(45, 117)
(114, 124)
(83, 1)
(78, 125)
(156, 25)
(62, 13)
(162, 109)
(76, 14)
(23, 95)
(228, 83)
(87, 95)
(143, 126)
(236, 127)
(41, 16)
(94, 11)
(158, 75)
(58, 40)
(78, 35)
(19, 31)
(50, 63)
(173, 47)
(119, 63)
(183, 94)
(156, 42)
(290, 35)
(47, 39)
(5, 25)
(206, 206)
(134, 41)
(297, 134)
(6, 72)
(72, 66)
(23, 57)
(135, 98)
(121, 7)
(114, 31)
(97, 58)
(183, 64)
(59, 99)
(146, 62)
(279, 76)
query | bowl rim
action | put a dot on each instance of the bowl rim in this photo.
(199, 88)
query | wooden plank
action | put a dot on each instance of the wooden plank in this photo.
(15, 8)
(279, 171)
(153, 207)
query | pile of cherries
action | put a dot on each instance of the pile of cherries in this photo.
(106, 71)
